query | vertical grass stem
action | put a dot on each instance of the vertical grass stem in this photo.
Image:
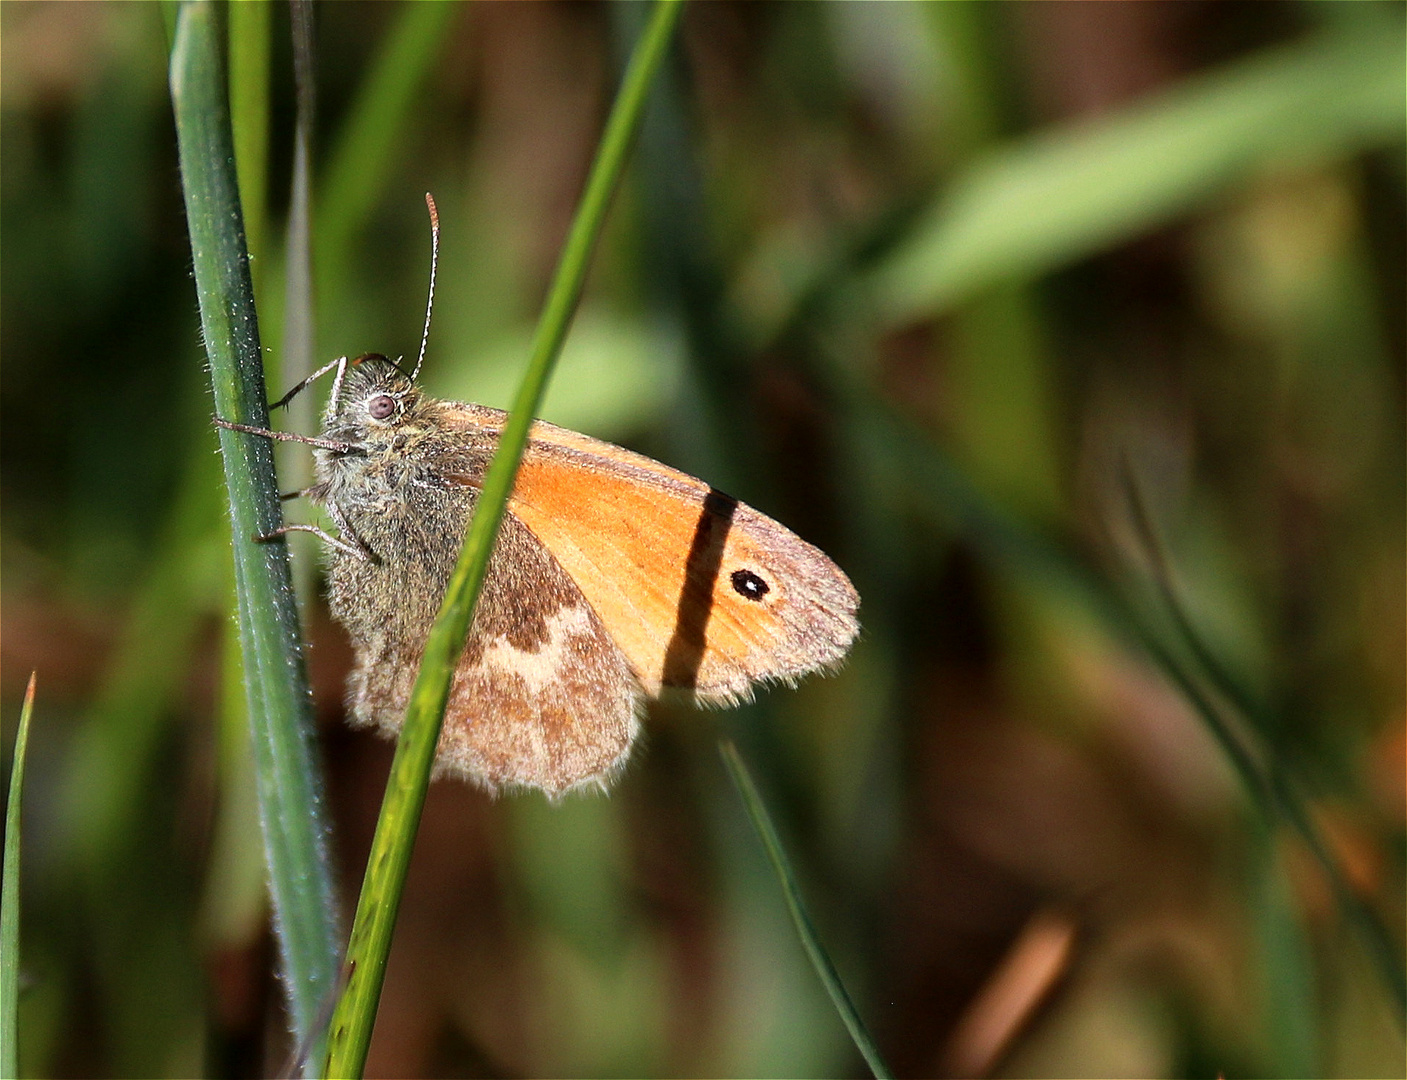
(280, 706)
(350, 1034)
(10, 902)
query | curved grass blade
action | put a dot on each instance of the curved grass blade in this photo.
(1266, 773)
(10, 902)
(1044, 202)
(352, 1020)
(805, 929)
(1004, 540)
(280, 706)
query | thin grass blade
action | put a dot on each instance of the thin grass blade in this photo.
(805, 928)
(352, 1021)
(280, 706)
(10, 902)
(299, 324)
(250, 47)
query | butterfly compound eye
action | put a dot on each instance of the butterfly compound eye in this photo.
(381, 406)
(748, 585)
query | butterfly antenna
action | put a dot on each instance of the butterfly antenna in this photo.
(434, 263)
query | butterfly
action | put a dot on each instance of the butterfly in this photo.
(615, 579)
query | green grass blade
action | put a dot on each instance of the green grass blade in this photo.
(368, 148)
(233, 902)
(250, 42)
(1045, 202)
(362, 160)
(280, 706)
(299, 323)
(350, 1033)
(298, 341)
(10, 902)
(1290, 1005)
(805, 929)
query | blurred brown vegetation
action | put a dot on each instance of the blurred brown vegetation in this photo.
(1027, 852)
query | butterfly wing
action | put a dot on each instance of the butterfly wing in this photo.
(703, 594)
(542, 696)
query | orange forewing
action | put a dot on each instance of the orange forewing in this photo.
(655, 551)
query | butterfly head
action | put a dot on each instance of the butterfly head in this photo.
(373, 402)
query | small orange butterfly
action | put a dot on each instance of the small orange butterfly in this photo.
(615, 578)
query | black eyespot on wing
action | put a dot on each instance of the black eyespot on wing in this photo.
(748, 585)
(381, 406)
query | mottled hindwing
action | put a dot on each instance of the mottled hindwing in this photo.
(542, 696)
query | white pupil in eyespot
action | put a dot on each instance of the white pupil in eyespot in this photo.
(381, 406)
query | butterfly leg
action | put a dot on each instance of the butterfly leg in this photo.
(357, 550)
(289, 436)
(355, 547)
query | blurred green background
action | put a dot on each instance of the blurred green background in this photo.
(981, 299)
